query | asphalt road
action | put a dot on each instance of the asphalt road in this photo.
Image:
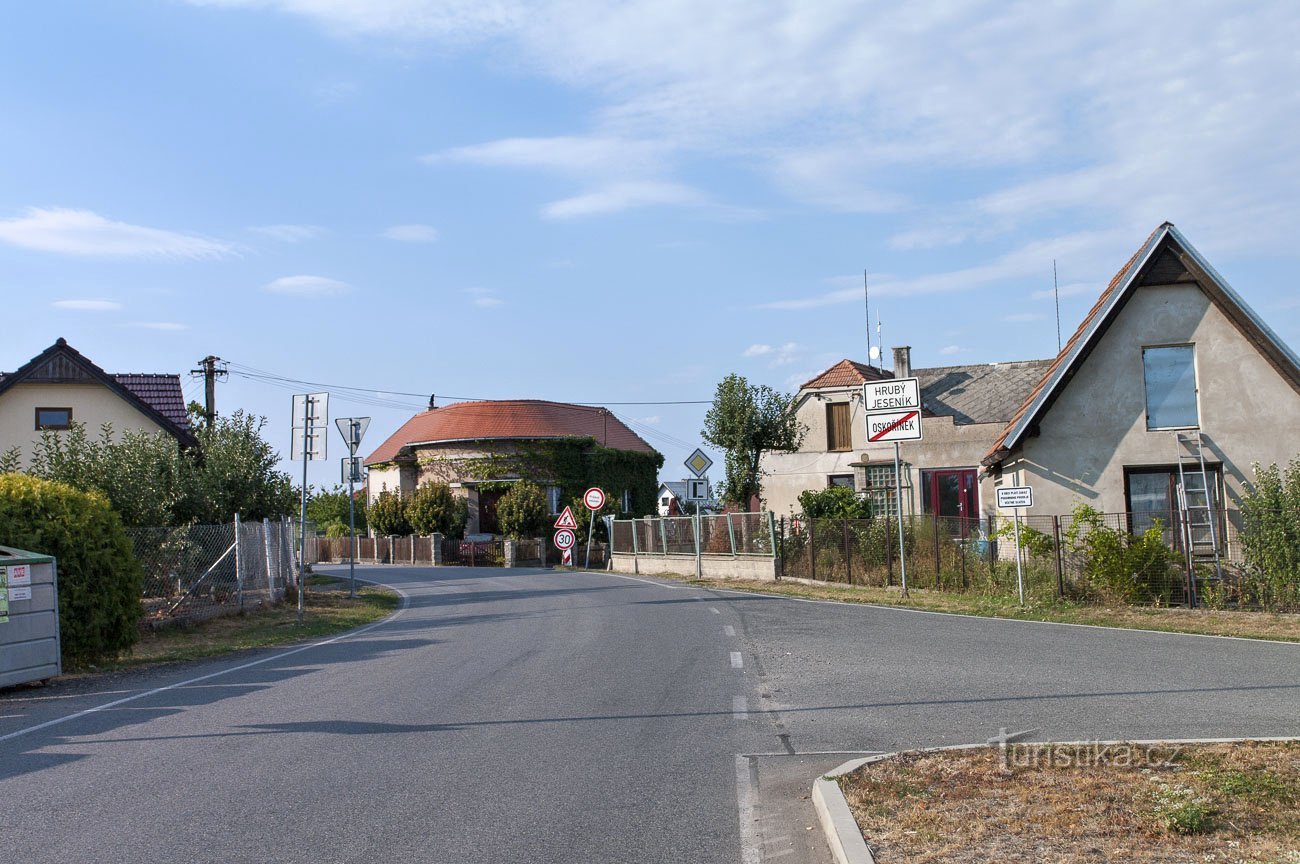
(574, 717)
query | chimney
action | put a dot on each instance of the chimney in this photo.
(903, 362)
(433, 401)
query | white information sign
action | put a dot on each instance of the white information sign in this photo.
(893, 410)
(1015, 497)
(20, 593)
(697, 490)
(19, 574)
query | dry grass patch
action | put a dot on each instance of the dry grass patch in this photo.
(1065, 805)
(1208, 622)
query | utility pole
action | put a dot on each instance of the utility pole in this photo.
(208, 369)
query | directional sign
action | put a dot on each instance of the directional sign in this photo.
(594, 498)
(893, 410)
(894, 426)
(564, 539)
(351, 469)
(353, 429)
(311, 442)
(311, 409)
(698, 462)
(310, 420)
(697, 490)
(566, 520)
(1015, 497)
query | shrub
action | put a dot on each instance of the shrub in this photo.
(435, 509)
(387, 514)
(100, 581)
(834, 502)
(1034, 543)
(1122, 565)
(1270, 538)
(326, 508)
(521, 512)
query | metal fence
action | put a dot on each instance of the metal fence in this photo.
(729, 534)
(1135, 558)
(199, 571)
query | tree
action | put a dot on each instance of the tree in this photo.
(329, 510)
(746, 421)
(388, 515)
(234, 471)
(435, 509)
(583, 516)
(521, 512)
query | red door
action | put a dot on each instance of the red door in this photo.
(952, 496)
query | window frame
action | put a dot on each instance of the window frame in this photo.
(1196, 387)
(852, 485)
(833, 408)
(41, 427)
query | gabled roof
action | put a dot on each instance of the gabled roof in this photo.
(1165, 258)
(678, 488)
(510, 419)
(846, 373)
(158, 396)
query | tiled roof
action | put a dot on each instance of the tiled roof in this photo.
(983, 393)
(162, 392)
(510, 419)
(846, 373)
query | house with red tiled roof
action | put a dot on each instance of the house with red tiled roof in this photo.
(1169, 368)
(60, 387)
(480, 448)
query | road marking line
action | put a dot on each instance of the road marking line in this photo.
(749, 842)
(737, 662)
(648, 582)
(729, 630)
(714, 610)
(739, 708)
(406, 602)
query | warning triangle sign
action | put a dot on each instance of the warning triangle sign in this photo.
(566, 520)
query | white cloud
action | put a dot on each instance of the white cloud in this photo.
(308, 286)
(82, 232)
(1071, 290)
(485, 298)
(949, 350)
(160, 325)
(758, 350)
(412, 233)
(787, 354)
(617, 197)
(652, 420)
(87, 305)
(289, 233)
(575, 155)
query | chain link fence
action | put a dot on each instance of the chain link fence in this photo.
(194, 572)
(1131, 558)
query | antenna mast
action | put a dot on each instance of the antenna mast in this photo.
(1056, 292)
(866, 299)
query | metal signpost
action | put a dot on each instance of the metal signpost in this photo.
(893, 412)
(352, 429)
(310, 416)
(594, 498)
(1015, 498)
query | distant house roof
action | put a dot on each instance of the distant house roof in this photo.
(979, 393)
(1165, 258)
(510, 419)
(157, 396)
(678, 488)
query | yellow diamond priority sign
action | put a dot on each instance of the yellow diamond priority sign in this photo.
(698, 463)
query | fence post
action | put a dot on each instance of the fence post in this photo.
(266, 554)
(889, 553)
(663, 536)
(731, 532)
(848, 552)
(1060, 570)
(992, 531)
(812, 553)
(696, 525)
(938, 577)
(771, 535)
(239, 565)
(965, 550)
(435, 541)
(636, 547)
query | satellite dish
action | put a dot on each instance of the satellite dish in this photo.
(874, 353)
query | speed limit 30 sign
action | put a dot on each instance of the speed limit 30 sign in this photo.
(564, 539)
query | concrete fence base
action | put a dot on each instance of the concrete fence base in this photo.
(711, 566)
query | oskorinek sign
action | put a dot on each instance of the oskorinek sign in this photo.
(893, 410)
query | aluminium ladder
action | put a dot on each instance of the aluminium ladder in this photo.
(1196, 505)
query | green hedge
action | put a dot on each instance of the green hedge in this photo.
(99, 578)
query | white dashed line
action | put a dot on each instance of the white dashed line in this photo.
(739, 708)
(729, 630)
(737, 662)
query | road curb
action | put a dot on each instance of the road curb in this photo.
(841, 830)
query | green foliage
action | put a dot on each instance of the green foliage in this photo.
(521, 512)
(1121, 565)
(834, 502)
(1034, 543)
(583, 515)
(745, 421)
(99, 578)
(329, 510)
(1270, 538)
(387, 515)
(151, 482)
(435, 509)
(11, 460)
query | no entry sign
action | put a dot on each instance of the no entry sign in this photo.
(564, 539)
(594, 498)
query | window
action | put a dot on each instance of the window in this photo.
(1170, 377)
(553, 498)
(1153, 497)
(627, 501)
(53, 418)
(880, 488)
(845, 480)
(838, 436)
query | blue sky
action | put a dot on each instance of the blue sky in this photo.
(623, 202)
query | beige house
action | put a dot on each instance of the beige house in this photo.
(60, 386)
(1169, 361)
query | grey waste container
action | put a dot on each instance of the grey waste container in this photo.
(29, 617)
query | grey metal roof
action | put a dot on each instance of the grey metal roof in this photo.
(980, 393)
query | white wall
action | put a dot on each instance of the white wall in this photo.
(92, 405)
